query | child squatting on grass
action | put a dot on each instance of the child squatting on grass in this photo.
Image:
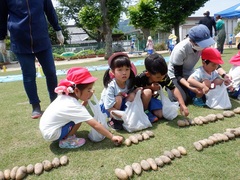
(64, 115)
(150, 79)
(234, 72)
(118, 83)
(206, 76)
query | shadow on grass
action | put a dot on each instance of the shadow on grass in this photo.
(88, 146)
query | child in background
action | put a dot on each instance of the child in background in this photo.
(149, 45)
(234, 72)
(118, 82)
(64, 115)
(150, 79)
(206, 77)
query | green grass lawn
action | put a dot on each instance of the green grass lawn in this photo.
(21, 142)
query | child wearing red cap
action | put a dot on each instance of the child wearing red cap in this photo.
(118, 83)
(64, 115)
(234, 72)
(206, 77)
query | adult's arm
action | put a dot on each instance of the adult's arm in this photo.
(51, 15)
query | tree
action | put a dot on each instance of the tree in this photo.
(174, 13)
(144, 15)
(96, 18)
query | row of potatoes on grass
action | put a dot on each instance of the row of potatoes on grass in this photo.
(21, 172)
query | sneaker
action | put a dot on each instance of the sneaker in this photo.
(115, 124)
(71, 142)
(198, 102)
(36, 112)
(151, 117)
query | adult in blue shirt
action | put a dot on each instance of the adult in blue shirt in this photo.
(26, 21)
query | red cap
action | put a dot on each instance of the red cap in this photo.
(212, 55)
(79, 75)
(235, 60)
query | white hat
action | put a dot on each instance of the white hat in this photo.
(149, 38)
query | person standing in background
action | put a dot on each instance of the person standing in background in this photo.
(209, 22)
(149, 45)
(28, 27)
(221, 36)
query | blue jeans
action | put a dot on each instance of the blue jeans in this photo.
(27, 63)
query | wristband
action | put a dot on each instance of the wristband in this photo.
(223, 75)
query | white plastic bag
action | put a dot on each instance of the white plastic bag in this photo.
(218, 98)
(169, 109)
(100, 117)
(136, 119)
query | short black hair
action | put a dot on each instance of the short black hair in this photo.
(155, 63)
(238, 46)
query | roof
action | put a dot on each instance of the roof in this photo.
(232, 12)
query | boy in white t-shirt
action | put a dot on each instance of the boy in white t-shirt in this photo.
(64, 115)
(206, 77)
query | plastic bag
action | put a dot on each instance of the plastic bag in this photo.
(169, 109)
(136, 119)
(100, 117)
(218, 98)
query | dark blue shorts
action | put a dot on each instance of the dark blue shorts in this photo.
(66, 129)
(154, 104)
(122, 108)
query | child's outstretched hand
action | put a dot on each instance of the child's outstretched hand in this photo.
(117, 140)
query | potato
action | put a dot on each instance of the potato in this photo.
(181, 123)
(63, 160)
(150, 133)
(159, 162)
(38, 168)
(182, 150)
(30, 169)
(145, 165)
(176, 153)
(128, 169)
(169, 154)
(220, 116)
(203, 143)
(211, 117)
(6, 173)
(139, 137)
(13, 172)
(21, 172)
(121, 174)
(186, 122)
(228, 113)
(229, 135)
(191, 122)
(55, 162)
(133, 139)
(236, 110)
(128, 142)
(198, 121)
(209, 142)
(47, 165)
(1, 175)
(152, 163)
(203, 119)
(145, 136)
(137, 168)
(165, 159)
(218, 137)
(224, 137)
(198, 146)
(213, 138)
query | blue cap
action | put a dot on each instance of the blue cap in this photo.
(200, 35)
